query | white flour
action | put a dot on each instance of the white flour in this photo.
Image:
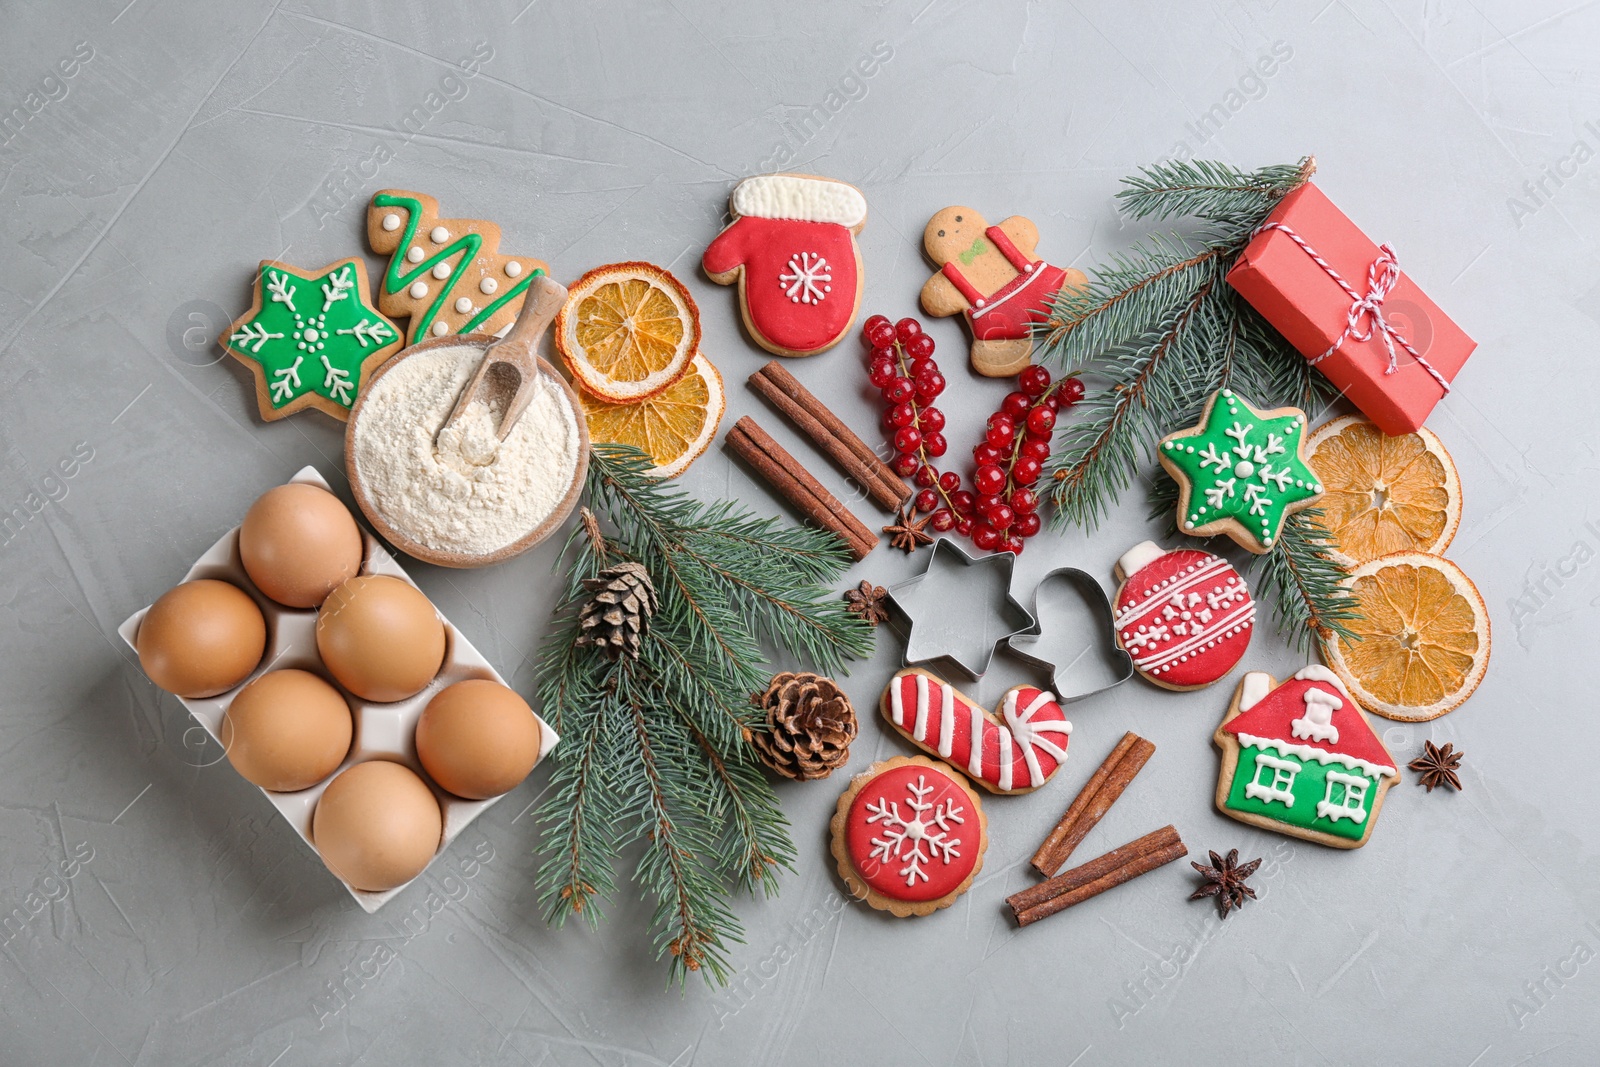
(472, 494)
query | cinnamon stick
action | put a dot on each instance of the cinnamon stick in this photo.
(1155, 849)
(1092, 802)
(825, 429)
(796, 485)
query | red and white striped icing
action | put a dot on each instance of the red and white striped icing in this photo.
(1185, 617)
(1013, 756)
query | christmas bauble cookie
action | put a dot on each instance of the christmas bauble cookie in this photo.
(1184, 616)
(909, 836)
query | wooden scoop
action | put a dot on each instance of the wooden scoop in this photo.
(510, 366)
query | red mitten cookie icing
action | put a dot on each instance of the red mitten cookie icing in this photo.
(1184, 616)
(792, 249)
(1015, 752)
(909, 836)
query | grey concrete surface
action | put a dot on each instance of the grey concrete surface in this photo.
(193, 139)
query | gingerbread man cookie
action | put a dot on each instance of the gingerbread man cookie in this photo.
(792, 249)
(445, 274)
(990, 274)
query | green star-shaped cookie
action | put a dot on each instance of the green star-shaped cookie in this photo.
(312, 338)
(1241, 471)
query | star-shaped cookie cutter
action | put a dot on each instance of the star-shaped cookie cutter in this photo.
(1047, 643)
(935, 627)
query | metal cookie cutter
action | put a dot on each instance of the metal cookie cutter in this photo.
(959, 609)
(1062, 634)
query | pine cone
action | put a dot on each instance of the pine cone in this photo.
(616, 616)
(810, 725)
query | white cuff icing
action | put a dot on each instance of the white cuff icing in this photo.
(1140, 555)
(789, 196)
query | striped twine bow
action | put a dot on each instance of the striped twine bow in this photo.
(1365, 318)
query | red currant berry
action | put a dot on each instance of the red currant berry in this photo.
(986, 537)
(989, 479)
(931, 420)
(920, 346)
(919, 367)
(906, 329)
(964, 527)
(1011, 543)
(926, 477)
(986, 453)
(943, 520)
(887, 353)
(872, 323)
(1027, 525)
(899, 391)
(1023, 501)
(1041, 421)
(1016, 405)
(905, 464)
(985, 501)
(930, 386)
(907, 439)
(934, 443)
(963, 501)
(1026, 472)
(1071, 391)
(1001, 431)
(1053, 402)
(1034, 381)
(879, 334)
(949, 481)
(927, 500)
(999, 516)
(881, 372)
(900, 415)
(1033, 448)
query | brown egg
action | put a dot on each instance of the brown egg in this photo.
(298, 542)
(380, 637)
(377, 825)
(287, 730)
(478, 739)
(201, 638)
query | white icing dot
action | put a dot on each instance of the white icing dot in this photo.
(979, 302)
(416, 254)
(441, 270)
(391, 222)
(311, 335)
(418, 290)
(488, 285)
(438, 235)
(513, 269)
(440, 329)
(464, 304)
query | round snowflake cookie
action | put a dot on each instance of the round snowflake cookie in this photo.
(1184, 616)
(909, 836)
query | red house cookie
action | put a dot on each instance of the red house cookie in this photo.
(792, 249)
(909, 836)
(1184, 616)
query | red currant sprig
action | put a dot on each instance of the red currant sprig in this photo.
(900, 363)
(1011, 458)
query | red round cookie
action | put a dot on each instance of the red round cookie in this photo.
(913, 833)
(1184, 616)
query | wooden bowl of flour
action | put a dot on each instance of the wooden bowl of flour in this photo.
(440, 515)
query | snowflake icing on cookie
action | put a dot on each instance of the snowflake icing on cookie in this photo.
(806, 280)
(920, 838)
(1243, 465)
(302, 320)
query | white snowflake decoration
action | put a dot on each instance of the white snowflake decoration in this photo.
(919, 839)
(253, 331)
(337, 287)
(287, 380)
(336, 381)
(806, 280)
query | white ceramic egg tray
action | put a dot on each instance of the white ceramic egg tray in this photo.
(382, 731)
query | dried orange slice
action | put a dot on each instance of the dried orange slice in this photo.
(1384, 494)
(1423, 638)
(673, 427)
(628, 330)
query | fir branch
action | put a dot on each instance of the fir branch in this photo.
(1206, 189)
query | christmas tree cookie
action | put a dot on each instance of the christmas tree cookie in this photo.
(447, 275)
(1241, 471)
(312, 338)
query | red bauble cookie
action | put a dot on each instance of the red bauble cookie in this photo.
(909, 836)
(1184, 616)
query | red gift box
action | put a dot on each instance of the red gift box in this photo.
(1292, 271)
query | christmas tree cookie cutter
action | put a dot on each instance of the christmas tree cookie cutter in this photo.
(1072, 621)
(936, 631)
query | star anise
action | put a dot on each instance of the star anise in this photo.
(909, 533)
(1437, 766)
(1225, 880)
(868, 601)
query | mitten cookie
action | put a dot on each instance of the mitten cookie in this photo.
(1015, 751)
(1184, 616)
(1300, 758)
(446, 274)
(792, 249)
(990, 274)
(1241, 472)
(909, 836)
(312, 338)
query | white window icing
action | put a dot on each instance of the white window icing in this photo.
(1274, 780)
(1350, 804)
